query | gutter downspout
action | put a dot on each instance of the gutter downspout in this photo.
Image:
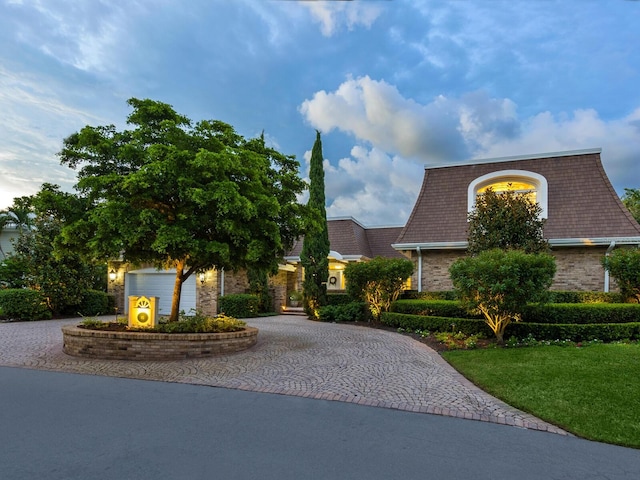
(606, 272)
(222, 282)
(419, 269)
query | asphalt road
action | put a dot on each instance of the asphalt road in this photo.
(66, 426)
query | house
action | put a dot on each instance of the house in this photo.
(7, 235)
(350, 242)
(584, 218)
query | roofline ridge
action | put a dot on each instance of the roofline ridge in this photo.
(365, 227)
(532, 156)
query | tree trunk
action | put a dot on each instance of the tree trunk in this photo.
(177, 292)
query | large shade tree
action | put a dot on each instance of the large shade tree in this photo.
(182, 195)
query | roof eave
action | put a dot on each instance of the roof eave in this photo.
(593, 242)
(554, 242)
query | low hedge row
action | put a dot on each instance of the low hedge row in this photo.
(440, 295)
(433, 308)
(551, 313)
(239, 305)
(582, 313)
(467, 326)
(606, 332)
(555, 296)
(23, 304)
(585, 297)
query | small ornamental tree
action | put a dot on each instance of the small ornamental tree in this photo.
(624, 265)
(315, 246)
(378, 282)
(500, 283)
(506, 220)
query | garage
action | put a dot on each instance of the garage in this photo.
(150, 282)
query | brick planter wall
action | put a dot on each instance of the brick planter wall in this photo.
(81, 342)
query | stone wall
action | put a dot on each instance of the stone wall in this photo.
(207, 293)
(577, 269)
(278, 289)
(102, 344)
(116, 287)
(580, 269)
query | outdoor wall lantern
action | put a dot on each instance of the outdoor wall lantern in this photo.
(112, 275)
(202, 278)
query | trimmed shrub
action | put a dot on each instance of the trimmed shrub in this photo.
(95, 302)
(239, 305)
(23, 304)
(349, 312)
(582, 313)
(338, 299)
(432, 308)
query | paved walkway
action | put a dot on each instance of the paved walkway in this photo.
(294, 356)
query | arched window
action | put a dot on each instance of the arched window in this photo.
(532, 184)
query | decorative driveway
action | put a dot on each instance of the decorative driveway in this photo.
(294, 356)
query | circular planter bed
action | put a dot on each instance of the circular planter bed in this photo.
(105, 344)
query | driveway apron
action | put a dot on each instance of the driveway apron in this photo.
(294, 356)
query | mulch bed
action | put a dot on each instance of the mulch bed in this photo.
(429, 341)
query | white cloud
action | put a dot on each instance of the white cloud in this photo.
(81, 34)
(380, 183)
(544, 132)
(333, 15)
(372, 187)
(443, 130)
(33, 123)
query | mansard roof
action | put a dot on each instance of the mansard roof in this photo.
(352, 240)
(582, 206)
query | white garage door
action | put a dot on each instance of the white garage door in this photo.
(152, 283)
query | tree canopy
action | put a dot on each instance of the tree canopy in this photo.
(506, 220)
(379, 282)
(624, 265)
(500, 283)
(182, 195)
(631, 200)
(62, 277)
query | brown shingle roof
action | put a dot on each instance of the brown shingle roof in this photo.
(349, 238)
(581, 201)
(381, 239)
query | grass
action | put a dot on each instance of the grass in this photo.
(593, 392)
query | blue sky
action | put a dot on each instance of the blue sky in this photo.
(393, 85)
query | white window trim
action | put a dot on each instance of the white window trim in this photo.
(520, 175)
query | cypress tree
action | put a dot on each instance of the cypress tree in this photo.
(315, 248)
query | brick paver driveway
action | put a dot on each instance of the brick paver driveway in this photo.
(294, 356)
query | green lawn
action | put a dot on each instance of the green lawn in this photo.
(593, 392)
